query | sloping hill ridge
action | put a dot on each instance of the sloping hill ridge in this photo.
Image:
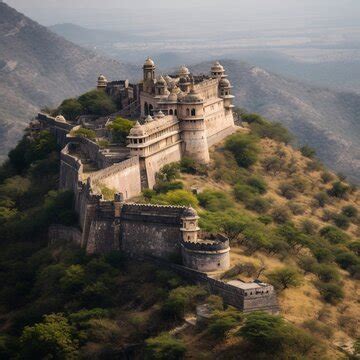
(325, 119)
(39, 68)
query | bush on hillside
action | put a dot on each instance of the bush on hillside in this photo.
(284, 278)
(258, 184)
(334, 235)
(191, 166)
(321, 199)
(164, 347)
(341, 221)
(258, 204)
(326, 272)
(176, 197)
(296, 208)
(346, 259)
(338, 190)
(309, 227)
(270, 130)
(273, 165)
(244, 149)
(326, 177)
(307, 151)
(243, 192)
(281, 215)
(214, 200)
(349, 211)
(331, 292)
(287, 190)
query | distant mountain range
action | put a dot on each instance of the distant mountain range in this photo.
(325, 119)
(39, 68)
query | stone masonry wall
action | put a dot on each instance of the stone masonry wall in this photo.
(151, 230)
(124, 177)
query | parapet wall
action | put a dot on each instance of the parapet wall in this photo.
(124, 177)
(59, 129)
(151, 230)
(71, 169)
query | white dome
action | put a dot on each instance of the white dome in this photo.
(60, 118)
(137, 130)
(217, 67)
(184, 71)
(149, 62)
(225, 83)
(149, 119)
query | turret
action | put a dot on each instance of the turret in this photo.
(191, 113)
(217, 71)
(225, 93)
(102, 82)
(149, 75)
(161, 87)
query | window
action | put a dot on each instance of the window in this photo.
(171, 112)
(175, 112)
(146, 109)
(193, 112)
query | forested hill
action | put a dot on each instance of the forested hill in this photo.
(327, 120)
(290, 222)
(38, 68)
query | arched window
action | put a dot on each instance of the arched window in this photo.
(193, 112)
(187, 112)
(151, 108)
(171, 112)
(175, 112)
(146, 109)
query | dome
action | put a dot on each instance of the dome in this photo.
(102, 78)
(149, 62)
(173, 97)
(161, 81)
(60, 118)
(149, 119)
(184, 71)
(193, 97)
(137, 130)
(181, 96)
(190, 213)
(225, 83)
(217, 67)
(160, 114)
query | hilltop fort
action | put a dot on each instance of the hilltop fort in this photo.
(179, 115)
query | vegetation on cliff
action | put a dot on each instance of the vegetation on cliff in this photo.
(290, 222)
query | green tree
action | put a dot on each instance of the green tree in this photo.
(71, 109)
(120, 129)
(176, 197)
(307, 151)
(331, 292)
(52, 338)
(97, 102)
(338, 190)
(164, 347)
(284, 278)
(86, 133)
(244, 148)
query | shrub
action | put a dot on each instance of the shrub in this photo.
(287, 190)
(265, 219)
(281, 215)
(322, 199)
(50, 338)
(341, 221)
(176, 197)
(71, 109)
(326, 273)
(120, 129)
(307, 263)
(284, 278)
(243, 192)
(258, 204)
(86, 133)
(164, 187)
(308, 152)
(346, 259)
(164, 347)
(326, 177)
(270, 130)
(323, 254)
(220, 327)
(316, 327)
(349, 211)
(273, 165)
(355, 247)
(334, 235)
(190, 166)
(277, 338)
(252, 118)
(244, 148)
(309, 227)
(331, 293)
(338, 190)
(354, 271)
(97, 102)
(296, 208)
(313, 165)
(214, 200)
(258, 184)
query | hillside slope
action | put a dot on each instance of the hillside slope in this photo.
(325, 119)
(39, 68)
